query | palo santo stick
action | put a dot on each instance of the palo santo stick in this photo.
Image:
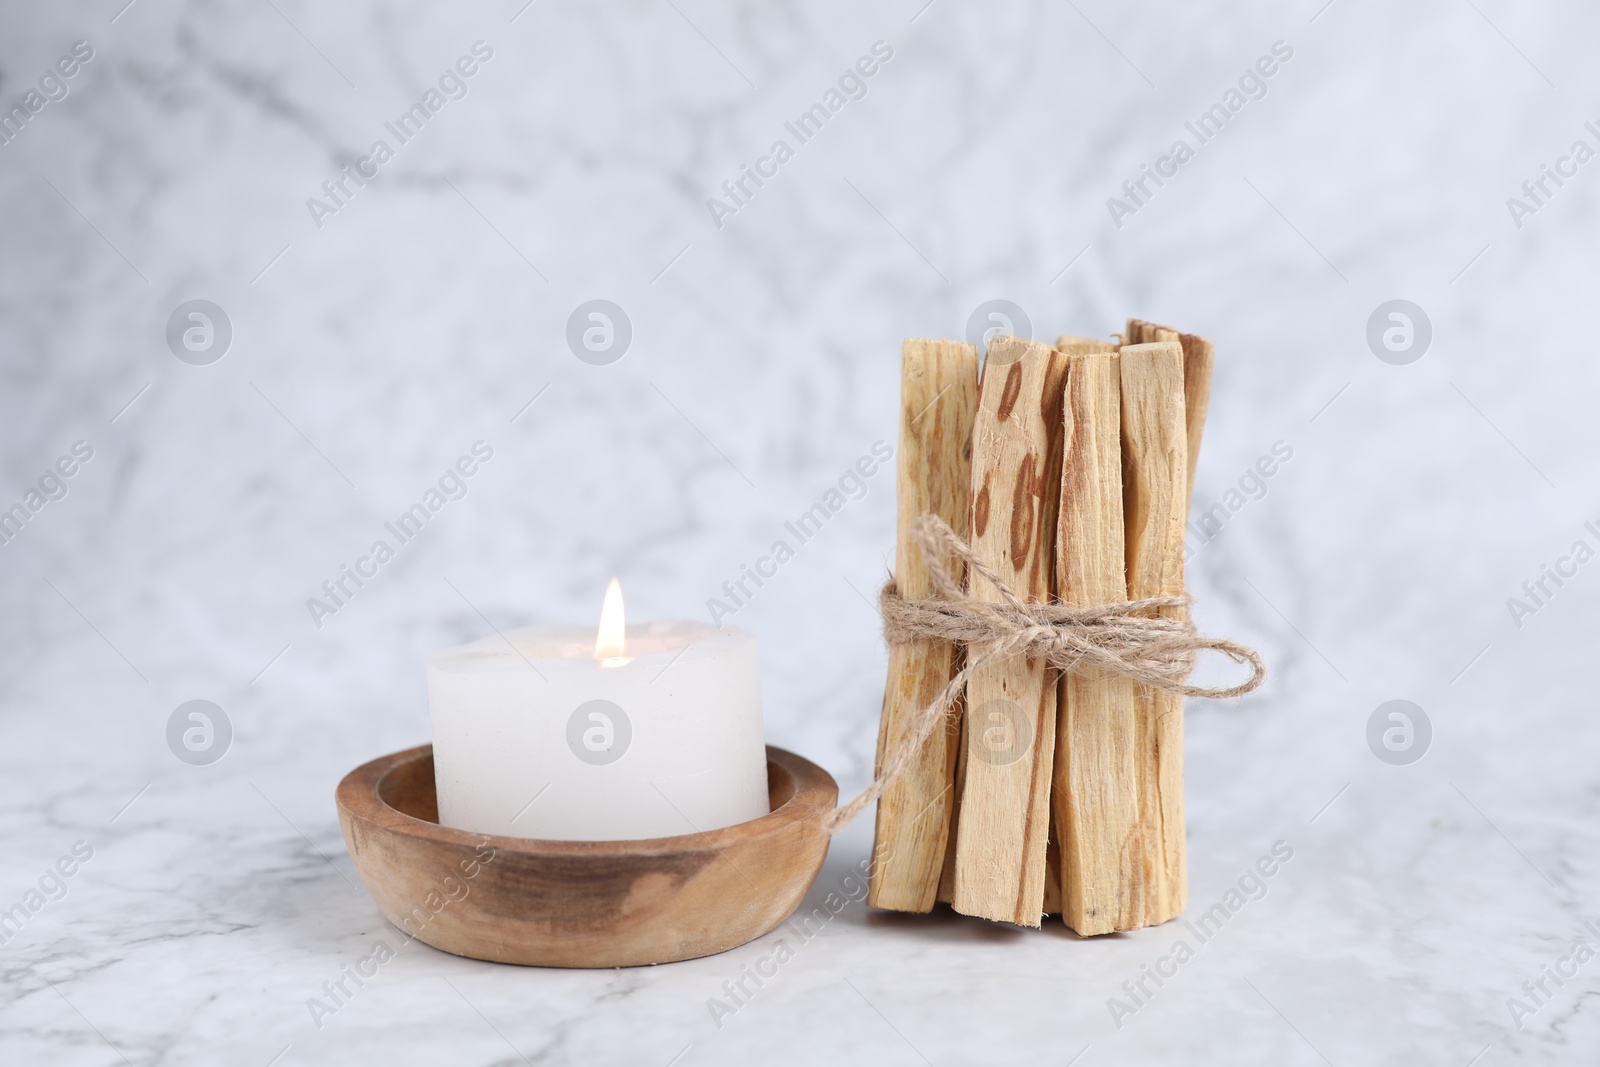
(938, 399)
(1199, 359)
(1069, 345)
(1155, 494)
(1096, 798)
(1011, 704)
(947, 876)
(1052, 868)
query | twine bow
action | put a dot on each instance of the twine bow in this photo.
(1127, 638)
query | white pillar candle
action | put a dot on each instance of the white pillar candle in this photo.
(552, 732)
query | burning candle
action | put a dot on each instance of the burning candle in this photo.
(563, 733)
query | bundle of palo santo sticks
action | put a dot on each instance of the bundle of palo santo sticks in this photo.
(1068, 469)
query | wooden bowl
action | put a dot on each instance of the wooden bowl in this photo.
(581, 903)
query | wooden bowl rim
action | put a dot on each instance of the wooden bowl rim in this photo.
(359, 796)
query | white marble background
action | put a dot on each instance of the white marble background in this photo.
(428, 312)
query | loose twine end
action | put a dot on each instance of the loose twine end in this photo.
(1127, 638)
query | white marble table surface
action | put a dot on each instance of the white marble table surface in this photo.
(425, 313)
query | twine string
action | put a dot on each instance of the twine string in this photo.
(1129, 638)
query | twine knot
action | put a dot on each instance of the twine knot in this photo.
(1130, 638)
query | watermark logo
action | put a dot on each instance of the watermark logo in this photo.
(1001, 732)
(199, 732)
(1207, 522)
(338, 191)
(199, 332)
(338, 591)
(1537, 192)
(1139, 190)
(1399, 332)
(795, 934)
(851, 486)
(993, 318)
(1537, 591)
(52, 886)
(1203, 926)
(1537, 992)
(599, 332)
(1399, 733)
(741, 189)
(598, 732)
(451, 889)
(53, 88)
(52, 486)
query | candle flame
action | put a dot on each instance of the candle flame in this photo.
(611, 639)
